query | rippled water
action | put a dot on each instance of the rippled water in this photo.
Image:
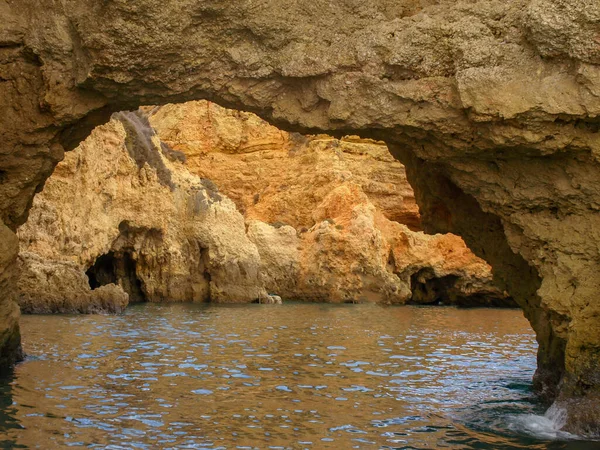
(266, 376)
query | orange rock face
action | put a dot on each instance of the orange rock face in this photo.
(278, 177)
(333, 220)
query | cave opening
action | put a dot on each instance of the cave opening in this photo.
(429, 289)
(308, 205)
(117, 268)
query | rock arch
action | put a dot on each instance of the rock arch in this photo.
(492, 106)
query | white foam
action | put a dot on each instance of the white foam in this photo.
(548, 426)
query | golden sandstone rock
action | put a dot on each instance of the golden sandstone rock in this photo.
(161, 237)
(126, 209)
(319, 211)
(492, 106)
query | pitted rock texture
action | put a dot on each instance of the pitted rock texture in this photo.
(10, 342)
(492, 106)
(107, 211)
(318, 210)
(62, 287)
(140, 243)
(281, 177)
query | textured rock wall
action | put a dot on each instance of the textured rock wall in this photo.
(492, 106)
(53, 286)
(276, 176)
(10, 342)
(117, 196)
(319, 211)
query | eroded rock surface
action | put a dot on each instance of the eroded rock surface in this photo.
(492, 106)
(275, 176)
(319, 211)
(143, 227)
(115, 211)
(10, 342)
(55, 286)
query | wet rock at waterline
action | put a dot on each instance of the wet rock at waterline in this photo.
(55, 286)
(492, 106)
(10, 339)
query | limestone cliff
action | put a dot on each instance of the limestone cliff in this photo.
(492, 106)
(135, 228)
(319, 211)
(116, 209)
(276, 176)
(355, 254)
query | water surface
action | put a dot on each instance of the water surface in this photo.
(269, 376)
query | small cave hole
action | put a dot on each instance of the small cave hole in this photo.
(429, 289)
(117, 268)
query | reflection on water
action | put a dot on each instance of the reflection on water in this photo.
(262, 376)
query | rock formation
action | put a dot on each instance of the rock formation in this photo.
(355, 254)
(56, 286)
(143, 227)
(276, 176)
(116, 211)
(492, 106)
(319, 211)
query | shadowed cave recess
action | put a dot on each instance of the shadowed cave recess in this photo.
(117, 269)
(492, 108)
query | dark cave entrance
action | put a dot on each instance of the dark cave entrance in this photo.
(117, 268)
(429, 289)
